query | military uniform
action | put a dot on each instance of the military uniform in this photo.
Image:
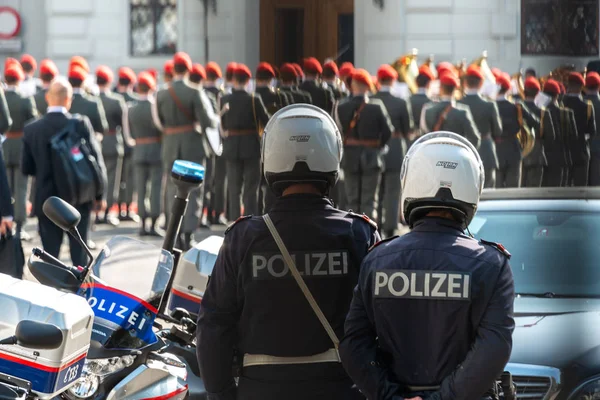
(241, 149)
(5, 120)
(401, 118)
(92, 108)
(128, 176)
(487, 119)
(21, 110)
(594, 179)
(40, 101)
(536, 161)
(182, 140)
(458, 120)
(321, 97)
(297, 96)
(256, 309)
(508, 146)
(557, 152)
(363, 159)
(586, 129)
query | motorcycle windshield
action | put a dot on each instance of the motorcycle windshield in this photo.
(125, 290)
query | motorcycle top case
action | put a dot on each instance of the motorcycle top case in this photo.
(49, 371)
(192, 274)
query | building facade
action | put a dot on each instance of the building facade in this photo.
(143, 33)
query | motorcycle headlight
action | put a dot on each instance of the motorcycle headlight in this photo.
(93, 373)
(589, 390)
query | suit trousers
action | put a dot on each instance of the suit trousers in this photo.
(362, 191)
(391, 200)
(594, 178)
(553, 176)
(578, 174)
(218, 187)
(112, 172)
(509, 175)
(533, 176)
(243, 180)
(490, 178)
(18, 187)
(52, 236)
(149, 184)
(127, 180)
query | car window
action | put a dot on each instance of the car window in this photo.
(557, 252)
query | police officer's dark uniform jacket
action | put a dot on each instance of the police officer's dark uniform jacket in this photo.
(536, 161)
(487, 119)
(586, 129)
(463, 292)
(459, 120)
(594, 179)
(253, 304)
(321, 96)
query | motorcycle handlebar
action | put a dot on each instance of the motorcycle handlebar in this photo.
(48, 258)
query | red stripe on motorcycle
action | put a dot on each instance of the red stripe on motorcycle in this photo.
(187, 296)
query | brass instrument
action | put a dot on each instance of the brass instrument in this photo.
(489, 85)
(407, 69)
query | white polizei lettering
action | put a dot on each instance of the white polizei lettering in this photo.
(132, 317)
(272, 270)
(92, 302)
(334, 263)
(405, 284)
(436, 289)
(112, 307)
(426, 284)
(306, 265)
(453, 284)
(258, 262)
(142, 322)
(344, 263)
(413, 286)
(466, 287)
(121, 313)
(320, 261)
(101, 306)
(381, 279)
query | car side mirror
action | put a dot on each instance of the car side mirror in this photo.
(61, 213)
(38, 335)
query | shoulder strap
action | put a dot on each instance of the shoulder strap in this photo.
(180, 106)
(542, 123)
(355, 118)
(258, 126)
(590, 108)
(519, 115)
(442, 118)
(307, 294)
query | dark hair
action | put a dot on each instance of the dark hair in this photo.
(530, 72)
(503, 91)
(447, 89)
(75, 82)
(574, 87)
(553, 95)
(241, 79)
(180, 68)
(328, 73)
(422, 80)
(195, 78)
(168, 75)
(229, 75)
(263, 76)
(27, 67)
(47, 77)
(386, 81)
(531, 92)
(212, 76)
(287, 77)
(143, 88)
(472, 81)
(593, 88)
(124, 81)
(101, 80)
(11, 80)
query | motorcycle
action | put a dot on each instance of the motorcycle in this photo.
(126, 360)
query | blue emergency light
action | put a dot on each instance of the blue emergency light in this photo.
(188, 172)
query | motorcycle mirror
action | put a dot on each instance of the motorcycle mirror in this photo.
(61, 213)
(179, 313)
(38, 335)
(53, 276)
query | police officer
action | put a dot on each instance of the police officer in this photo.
(180, 107)
(557, 152)
(330, 78)
(289, 75)
(592, 87)
(213, 74)
(514, 116)
(285, 351)
(48, 71)
(274, 100)
(146, 155)
(432, 315)
(113, 149)
(401, 117)
(586, 129)
(241, 144)
(487, 119)
(21, 110)
(534, 163)
(322, 97)
(449, 115)
(366, 128)
(167, 73)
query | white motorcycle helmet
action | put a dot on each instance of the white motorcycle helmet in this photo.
(301, 144)
(442, 170)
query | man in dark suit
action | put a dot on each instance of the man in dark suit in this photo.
(401, 118)
(36, 161)
(366, 128)
(536, 161)
(592, 88)
(586, 130)
(447, 115)
(487, 119)
(322, 96)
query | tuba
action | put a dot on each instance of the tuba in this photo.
(489, 88)
(408, 69)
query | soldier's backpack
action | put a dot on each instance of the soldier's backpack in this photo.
(76, 172)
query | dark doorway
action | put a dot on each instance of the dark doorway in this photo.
(289, 36)
(345, 38)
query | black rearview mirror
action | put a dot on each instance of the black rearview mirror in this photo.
(61, 213)
(38, 335)
(53, 276)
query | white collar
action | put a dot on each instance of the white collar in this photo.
(56, 109)
(471, 91)
(502, 96)
(208, 84)
(385, 88)
(421, 90)
(78, 91)
(446, 98)
(11, 88)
